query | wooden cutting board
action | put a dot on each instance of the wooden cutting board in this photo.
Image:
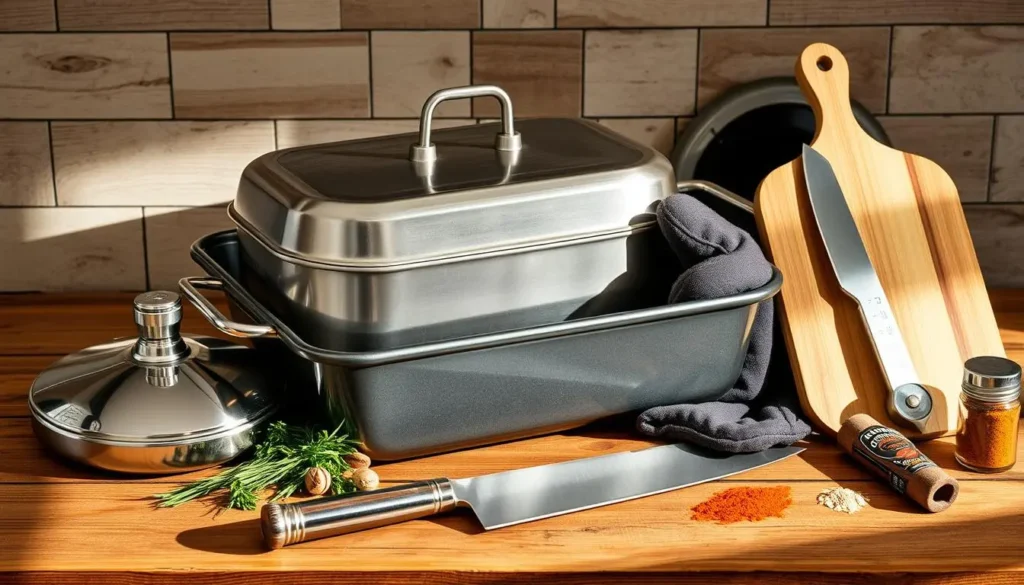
(908, 213)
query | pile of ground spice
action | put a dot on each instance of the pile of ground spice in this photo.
(743, 503)
(842, 500)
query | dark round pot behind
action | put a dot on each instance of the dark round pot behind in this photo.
(751, 130)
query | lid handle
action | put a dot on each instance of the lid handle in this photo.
(508, 140)
(158, 319)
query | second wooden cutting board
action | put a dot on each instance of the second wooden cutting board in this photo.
(908, 213)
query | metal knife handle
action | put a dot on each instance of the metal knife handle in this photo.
(285, 524)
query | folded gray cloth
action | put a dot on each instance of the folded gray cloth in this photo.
(721, 259)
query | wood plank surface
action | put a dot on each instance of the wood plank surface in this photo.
(67, 523)
(981, 532)
(26, 175)
(27, 462)
(170, 233)
(961, 145)
(790, 12)
(957, 69)
(732, 56)
(410, 14)
(660, 13)
(162, 163)
(626, 73)
(996, 232)
(1008, 160)
(519, 13)
(59, 324)
(60, 248)
(84, 76)
(540, 70)
(27, 15)
(271, 75)
(305, 14)
(408, 66)
(163, 15)
(908, 213)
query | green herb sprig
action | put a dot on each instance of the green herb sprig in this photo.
(279, 463)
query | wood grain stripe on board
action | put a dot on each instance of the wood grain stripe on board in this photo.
(952, 309)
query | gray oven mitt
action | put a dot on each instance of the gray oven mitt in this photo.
(720, 259)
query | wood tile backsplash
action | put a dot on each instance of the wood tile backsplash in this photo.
(124, 124)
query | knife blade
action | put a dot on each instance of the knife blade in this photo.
(513, 497)
(909, 403)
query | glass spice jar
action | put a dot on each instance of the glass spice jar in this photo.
(989, 414)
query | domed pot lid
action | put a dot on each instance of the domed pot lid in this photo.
(158, 390)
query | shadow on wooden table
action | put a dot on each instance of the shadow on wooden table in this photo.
(982, 544)
(233, 538)
(244, 537)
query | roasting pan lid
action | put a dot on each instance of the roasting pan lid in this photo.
(473, 189)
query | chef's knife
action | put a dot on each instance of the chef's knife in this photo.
(513, 497)
(909, 403)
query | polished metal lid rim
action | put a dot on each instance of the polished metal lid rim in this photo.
(603, 190)
(158, 441)
(383, 266)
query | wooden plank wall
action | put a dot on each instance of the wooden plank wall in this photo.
(124, 124)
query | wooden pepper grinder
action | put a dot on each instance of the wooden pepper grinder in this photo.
(893, 457)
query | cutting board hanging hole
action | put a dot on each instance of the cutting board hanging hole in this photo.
(824, 77)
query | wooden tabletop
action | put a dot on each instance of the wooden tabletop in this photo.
(61, 523)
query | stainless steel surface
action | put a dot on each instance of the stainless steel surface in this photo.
(992, 379)
(450, 394)
(909, 402)
(285, 524)
(507, 140)
(160, 403)
(514, 497)
(713, 189)
(542, 284)
(379, 308)
(189, 287)
(363, 204)
(529, 222)
(158, 318)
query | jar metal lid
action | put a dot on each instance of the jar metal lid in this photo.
(991, 379)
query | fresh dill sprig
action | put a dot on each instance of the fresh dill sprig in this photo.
(280, 463)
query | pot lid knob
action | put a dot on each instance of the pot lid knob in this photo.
(158, 318)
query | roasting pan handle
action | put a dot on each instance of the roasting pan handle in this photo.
(189, 288)
(508, 140)
(719, 192)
